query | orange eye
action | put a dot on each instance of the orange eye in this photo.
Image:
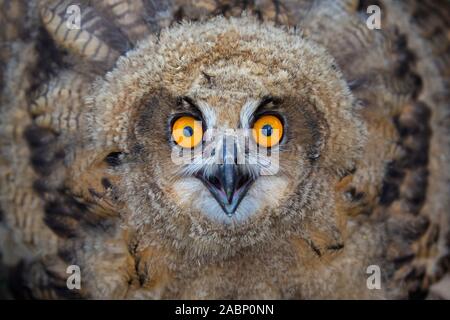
(267, 131)
(187, 132)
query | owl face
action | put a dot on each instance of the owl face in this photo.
(232, 159)
(224, 125)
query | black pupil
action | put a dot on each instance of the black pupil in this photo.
(188, 131)
(267, 130)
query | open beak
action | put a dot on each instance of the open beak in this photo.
(229, 184)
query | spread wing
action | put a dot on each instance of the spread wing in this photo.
(400, 76)
(47, 63)
(51, 189)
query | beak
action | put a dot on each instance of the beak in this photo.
(228, 184)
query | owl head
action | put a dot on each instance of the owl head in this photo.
(224, 134)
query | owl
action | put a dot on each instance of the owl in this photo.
(219, 149)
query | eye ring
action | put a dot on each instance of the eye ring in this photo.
(267, 130)
(187, 132)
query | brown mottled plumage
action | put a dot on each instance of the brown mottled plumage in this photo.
(86, 175)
